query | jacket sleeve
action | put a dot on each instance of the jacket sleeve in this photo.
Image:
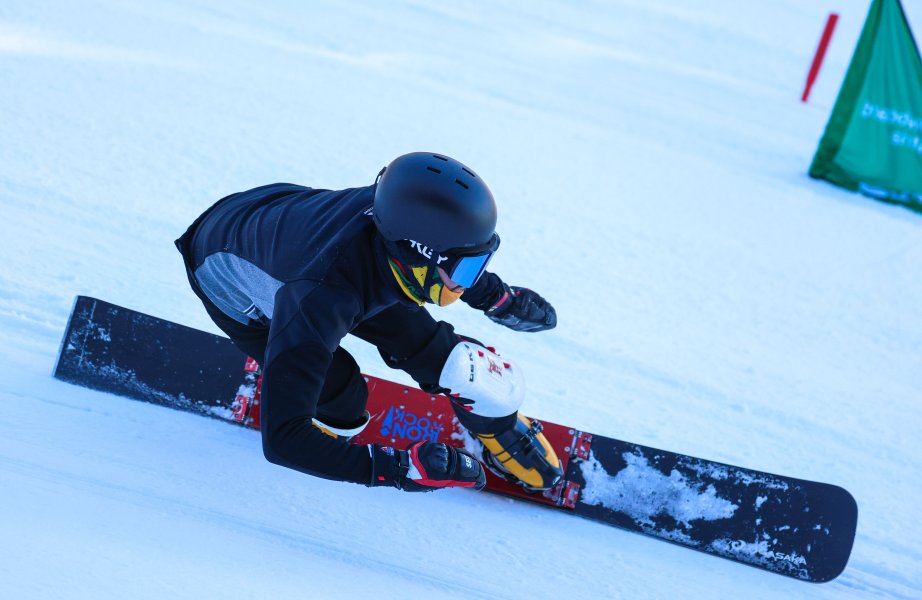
(309, 322)
(485, 293)
(408, 338)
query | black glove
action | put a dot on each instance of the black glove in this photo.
(522, 309)
(425, 466)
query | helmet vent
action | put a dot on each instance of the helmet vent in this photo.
(468, 171)
(434, 170)
(462, 184)
(440, 157)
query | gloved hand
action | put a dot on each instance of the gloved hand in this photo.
(522, 309)
(425, 466)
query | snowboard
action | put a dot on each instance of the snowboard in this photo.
(794, 527)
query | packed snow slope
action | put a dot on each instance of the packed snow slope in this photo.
(649, 161)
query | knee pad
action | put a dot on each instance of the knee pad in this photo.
(495, 387)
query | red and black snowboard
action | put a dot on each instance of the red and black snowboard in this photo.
(793, 527)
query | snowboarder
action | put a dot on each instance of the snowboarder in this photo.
(287, 271)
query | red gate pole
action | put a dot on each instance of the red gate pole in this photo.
(820, 54)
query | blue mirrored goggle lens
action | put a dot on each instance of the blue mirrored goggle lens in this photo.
(468, 269)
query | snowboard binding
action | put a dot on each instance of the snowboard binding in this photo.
(522, 455)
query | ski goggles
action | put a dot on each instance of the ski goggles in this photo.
(465, 266)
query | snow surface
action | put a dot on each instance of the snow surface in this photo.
(649, 159)
(641, 491)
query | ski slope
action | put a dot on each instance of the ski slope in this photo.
(649, 160)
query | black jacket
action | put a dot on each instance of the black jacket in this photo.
(306, 267)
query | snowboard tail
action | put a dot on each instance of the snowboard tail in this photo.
(794, 527)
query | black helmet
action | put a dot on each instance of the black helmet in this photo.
(435, 201)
